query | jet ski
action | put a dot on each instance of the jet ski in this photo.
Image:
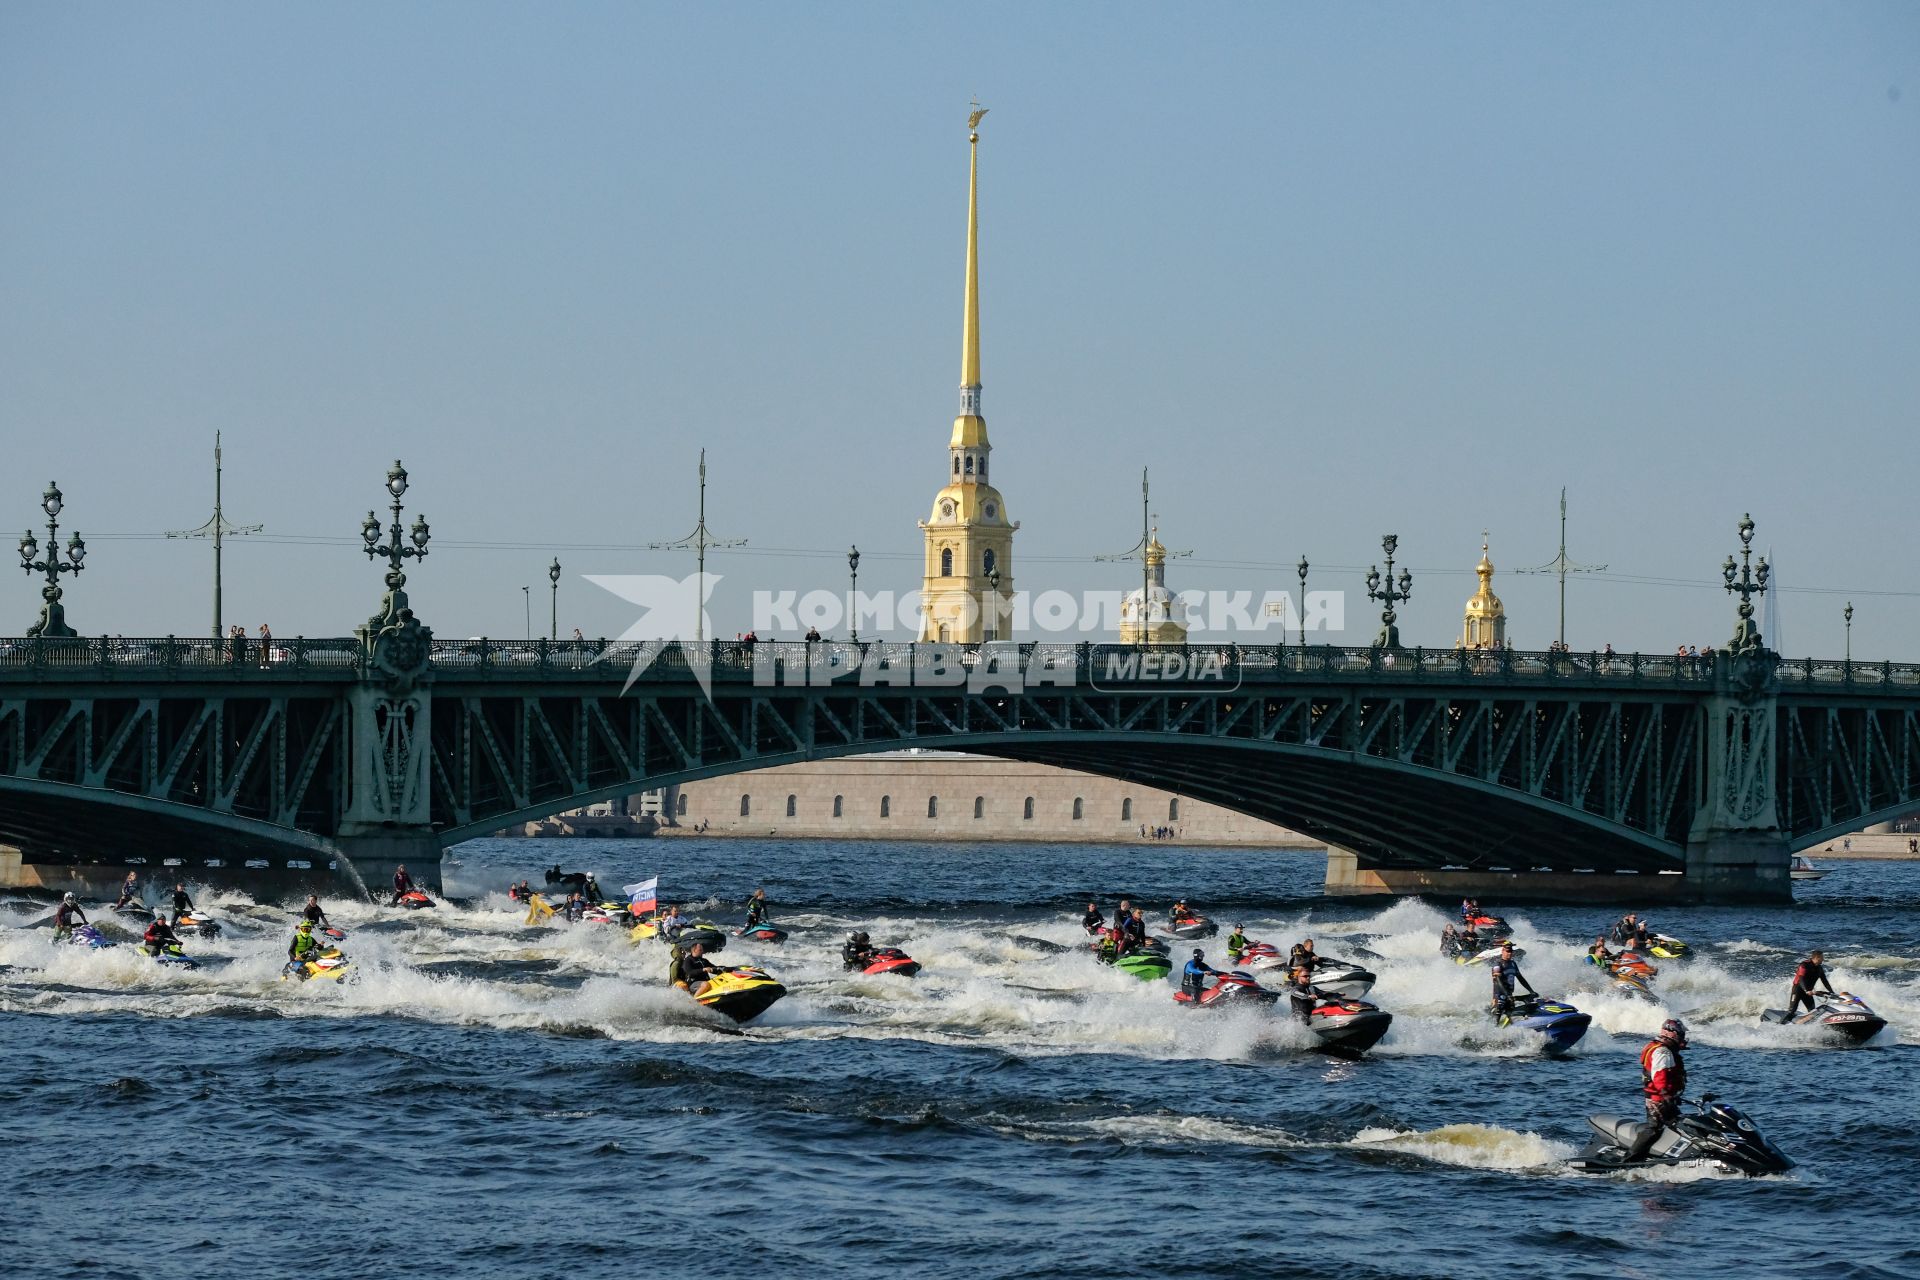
(1487, 923)
(1192, 927)
(88, 936)
(1845, 1014)
(761, 932)
(892, 960)
(1665, 948)
(741, 994)
(703, 931)
(645, 931)
(1342, 978)
(1631, 962)
(1258, 957)
(1637, 985)
(1480, 955)
(1345, 1027)
(1148, 966)
(329, 963)
(1559, 1024)
(1713, 1133)
(600, 915)
(412, 900)
(133, 911)
(173, 956)
(193, 923)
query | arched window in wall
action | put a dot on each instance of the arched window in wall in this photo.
(979, 807)
(1126, 809)
(1173, 810)
(836, 806)
(1079, 809)
(946, 562)
(746, 804)
(933, 806)
(1026, 810)
(886, 806)
(988, 560)
(791, 807)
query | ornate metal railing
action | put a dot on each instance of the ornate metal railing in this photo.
(343, 658)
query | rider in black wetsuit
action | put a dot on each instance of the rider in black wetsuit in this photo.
(129, 890)
(1193, 977)
(1300, 991)
(181, 902)
(160, 935)
(857, 953)
(1095, 919)
(63, 917)
(757, 908)
(1302, 956)
(313, 914)
(402, 882)
(1811, 973)
(693, 970)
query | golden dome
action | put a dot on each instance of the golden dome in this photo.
(1486, 618)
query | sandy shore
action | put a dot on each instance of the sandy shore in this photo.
(1866, 848)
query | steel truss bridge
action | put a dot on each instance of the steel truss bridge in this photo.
(1414, 764)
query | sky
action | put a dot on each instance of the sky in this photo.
(1331, 271)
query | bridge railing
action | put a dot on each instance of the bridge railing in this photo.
(794, 662)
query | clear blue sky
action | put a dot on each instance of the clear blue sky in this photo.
(1332, 270)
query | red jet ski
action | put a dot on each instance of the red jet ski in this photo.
(412, 900)
(762, 933)
(1481, 922)
(892, 960)
(1346, 1027)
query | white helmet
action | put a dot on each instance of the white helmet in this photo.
(68, 898)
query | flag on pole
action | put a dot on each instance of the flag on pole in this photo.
(643, 896)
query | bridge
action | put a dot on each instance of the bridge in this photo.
(1543, 774)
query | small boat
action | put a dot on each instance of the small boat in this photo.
(1803, 869)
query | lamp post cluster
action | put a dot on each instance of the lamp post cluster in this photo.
(1301, 568)
(853, 592)
(1747, 581)
(1848, 615)
(395, 551)
(1384, 590)
(53, 616)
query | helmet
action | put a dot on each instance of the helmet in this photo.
(68, 898)
(305, 926)
(1674, 1032)
(1199, 953)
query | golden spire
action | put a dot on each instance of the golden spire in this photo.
(1485, 567)
(970, 340)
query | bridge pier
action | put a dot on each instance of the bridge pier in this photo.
(374, 858)
(1739, 867)
(1347, 878)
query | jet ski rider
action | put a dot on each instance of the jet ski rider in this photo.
(129, 890)
(63, 917)
(1120, 915)
(1506, 972)
(1811, 973)
(160, 935)
(303, 947)
(1133, 932)
(181, 902)
(402, 882)
(693, 970)
(1663, 1078)
(1469, 909)
(1301, 993)
(1192, 978)
(1237, 943)
(1302, 956)
(1094, 920)
(313, 914)
(1598, 953)
(857, 952)
(757, 908)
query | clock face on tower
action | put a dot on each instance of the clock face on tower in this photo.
(946, 511)
(992, 511)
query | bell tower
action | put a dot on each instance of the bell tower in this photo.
(969, 537)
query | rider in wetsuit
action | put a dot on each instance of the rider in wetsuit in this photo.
(1301, 993)
(160, 935)
(1599, 954)
(1236, 943)
(857, 951)
(1302, 956)
(1663, 1078)
(129, 890)
(63, 918)
(1133, 933)
(181, 902)
(303, 947)
(693, 970)
(757, 908)
(1094, 920)
(1506, 972)
(402, 882)
(1811, 973)
(1193, 977)
(313, 914)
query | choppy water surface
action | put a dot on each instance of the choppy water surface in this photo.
(489, 1099)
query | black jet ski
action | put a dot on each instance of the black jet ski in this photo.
(703, 931)
(1713, 1133)
(1346, 1028)
(195, 923)
(1194, 926)
(1560, 1024)
(1845, 1014)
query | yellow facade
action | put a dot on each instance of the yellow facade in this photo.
(1485, 626)
(969, 564)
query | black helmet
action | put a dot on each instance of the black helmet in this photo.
(1199, 953)
(1674, 1032)
(860, 936)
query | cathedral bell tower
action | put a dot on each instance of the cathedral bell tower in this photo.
(969, 573)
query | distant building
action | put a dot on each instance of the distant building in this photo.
(1486, 620)
(1152, 614)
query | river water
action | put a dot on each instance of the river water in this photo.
(493, 1100)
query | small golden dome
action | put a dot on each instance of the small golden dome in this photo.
(969, 432)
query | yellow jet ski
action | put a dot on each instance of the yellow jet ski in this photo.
(645, 931)
(741, 994)
(330, 963)
(539, 909)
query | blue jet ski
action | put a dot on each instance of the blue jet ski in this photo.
(1559, 1024)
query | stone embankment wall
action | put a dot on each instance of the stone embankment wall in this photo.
(948, 796)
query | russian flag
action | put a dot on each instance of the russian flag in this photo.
(644, 896)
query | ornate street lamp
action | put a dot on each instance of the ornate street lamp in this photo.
(853, 593)
(1848, 615)
(394, 549)
(553, 576)
(1748, 582)
(1384, 590)
(993, 603)
(1301, 569)
(53, 615)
